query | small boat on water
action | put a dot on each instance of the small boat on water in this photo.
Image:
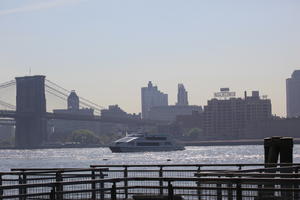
(143, 142)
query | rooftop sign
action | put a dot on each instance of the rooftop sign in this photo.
(224, 93)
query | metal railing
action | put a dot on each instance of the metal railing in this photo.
(213, 181)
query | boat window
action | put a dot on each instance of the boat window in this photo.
(156, 138)
(168, 143)
(147, 144)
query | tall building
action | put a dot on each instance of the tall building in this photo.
(226, 117)
(73, 101)
(293, 95)
(182, 96)
(169, 113)
(151, 96)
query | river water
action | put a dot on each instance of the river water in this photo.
(83, 157)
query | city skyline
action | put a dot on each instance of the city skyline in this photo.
(106, 51)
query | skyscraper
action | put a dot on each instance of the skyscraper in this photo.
(151, 96)
(293, 95)
(182, 97)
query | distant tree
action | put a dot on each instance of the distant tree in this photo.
(8, 142)
(84, 137)
(195, 132)
(109, 138)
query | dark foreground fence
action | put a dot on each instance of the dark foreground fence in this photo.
(215, 182)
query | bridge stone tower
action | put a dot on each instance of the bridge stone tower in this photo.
(31, 127)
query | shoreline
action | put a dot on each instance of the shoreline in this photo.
(185, 143)
(228, 142)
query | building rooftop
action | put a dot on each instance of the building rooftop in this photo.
(296, 74)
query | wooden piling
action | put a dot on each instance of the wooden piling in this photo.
(273, 150)
(286, 150)
(276, 147)
(286, 156)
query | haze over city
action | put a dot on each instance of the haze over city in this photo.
(108, 50)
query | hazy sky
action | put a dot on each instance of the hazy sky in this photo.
(107, 50)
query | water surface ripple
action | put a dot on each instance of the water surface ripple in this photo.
(83, 157)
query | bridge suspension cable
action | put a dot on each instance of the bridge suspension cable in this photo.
(7, 105)
(64, 97)
(62, 93)
(86, 101)
(48, 90)
(7, 84)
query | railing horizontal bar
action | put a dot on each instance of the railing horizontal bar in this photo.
(235, 179)
(240, 180)
(152, 187)
(25, 195)
(295, 166)
(214, 188)
(283, 175)
(155, 170)
(53, 170)
(178, 170)
(196, 165)
(187, 194)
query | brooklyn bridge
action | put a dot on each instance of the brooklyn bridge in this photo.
(29, 114)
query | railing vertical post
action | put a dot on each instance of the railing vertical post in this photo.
(1, 190)
(259, 187)
(230, 197)
(296, 186)
(219, 191)
(59, 186)
(170, 191)
(101, 185)
(126, 181)
(113, 193)
(93, 185)
(239, 195)
(52, 193)
(161, 184)
(198, 185)
(24, 181)
(238, 191)
(240, 167)
(22, 190)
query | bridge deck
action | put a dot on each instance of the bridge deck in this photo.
(48, 115)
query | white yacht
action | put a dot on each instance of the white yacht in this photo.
(143, 142)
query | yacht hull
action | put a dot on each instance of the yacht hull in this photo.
(118, 149)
